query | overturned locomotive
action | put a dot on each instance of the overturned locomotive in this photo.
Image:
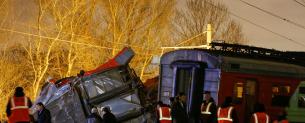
(112, 84)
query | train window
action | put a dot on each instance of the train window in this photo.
(301, 101)
(103, 82)
(302, 90)
(281, 90)
(91, 88)
(235, 66)
(238, 92)
(280, 95)
(250, 87)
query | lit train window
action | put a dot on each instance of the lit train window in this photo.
(281, 90)
(238, 92)
(280, 95)
(275, 89)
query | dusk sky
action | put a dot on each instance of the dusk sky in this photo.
(288, 9)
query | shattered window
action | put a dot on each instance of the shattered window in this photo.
(103, 82)
(301, 101)
(90, 88)
(302, 90)
(107, 83)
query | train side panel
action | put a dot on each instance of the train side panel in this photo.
(253, 80)
(247, 89)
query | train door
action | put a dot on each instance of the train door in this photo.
(189, 79)
(245, 98)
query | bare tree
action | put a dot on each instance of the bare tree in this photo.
(192, 21)
(140, 24)
(10, 75)
(75, 18)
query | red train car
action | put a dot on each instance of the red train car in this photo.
(248, 74)
(247, 86)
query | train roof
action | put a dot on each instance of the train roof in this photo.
(251, 52)
(243, 59)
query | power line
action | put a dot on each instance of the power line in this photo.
(191, 38)
(257, 25)
(79, 35)
(47, 37)
(62, 40)
(299, 3)
(274, 15)
(266, 29)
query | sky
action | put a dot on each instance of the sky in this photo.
(257, 36)
(288, 9)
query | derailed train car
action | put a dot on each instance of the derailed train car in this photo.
(112, 84)
(248, 74)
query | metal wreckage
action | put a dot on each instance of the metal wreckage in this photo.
(112, 84)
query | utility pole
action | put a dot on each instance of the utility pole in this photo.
(209, 36)
(208, 32)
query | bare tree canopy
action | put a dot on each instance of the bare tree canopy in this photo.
(192, 21)
(58, 38)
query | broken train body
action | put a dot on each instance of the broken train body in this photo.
(112, 84)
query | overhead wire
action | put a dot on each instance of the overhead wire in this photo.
(79, 35)
(274, 15)
(47, 37)
(257, 25)
(62, 40)
(266, 29)
(191, 38)
(299, 3)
